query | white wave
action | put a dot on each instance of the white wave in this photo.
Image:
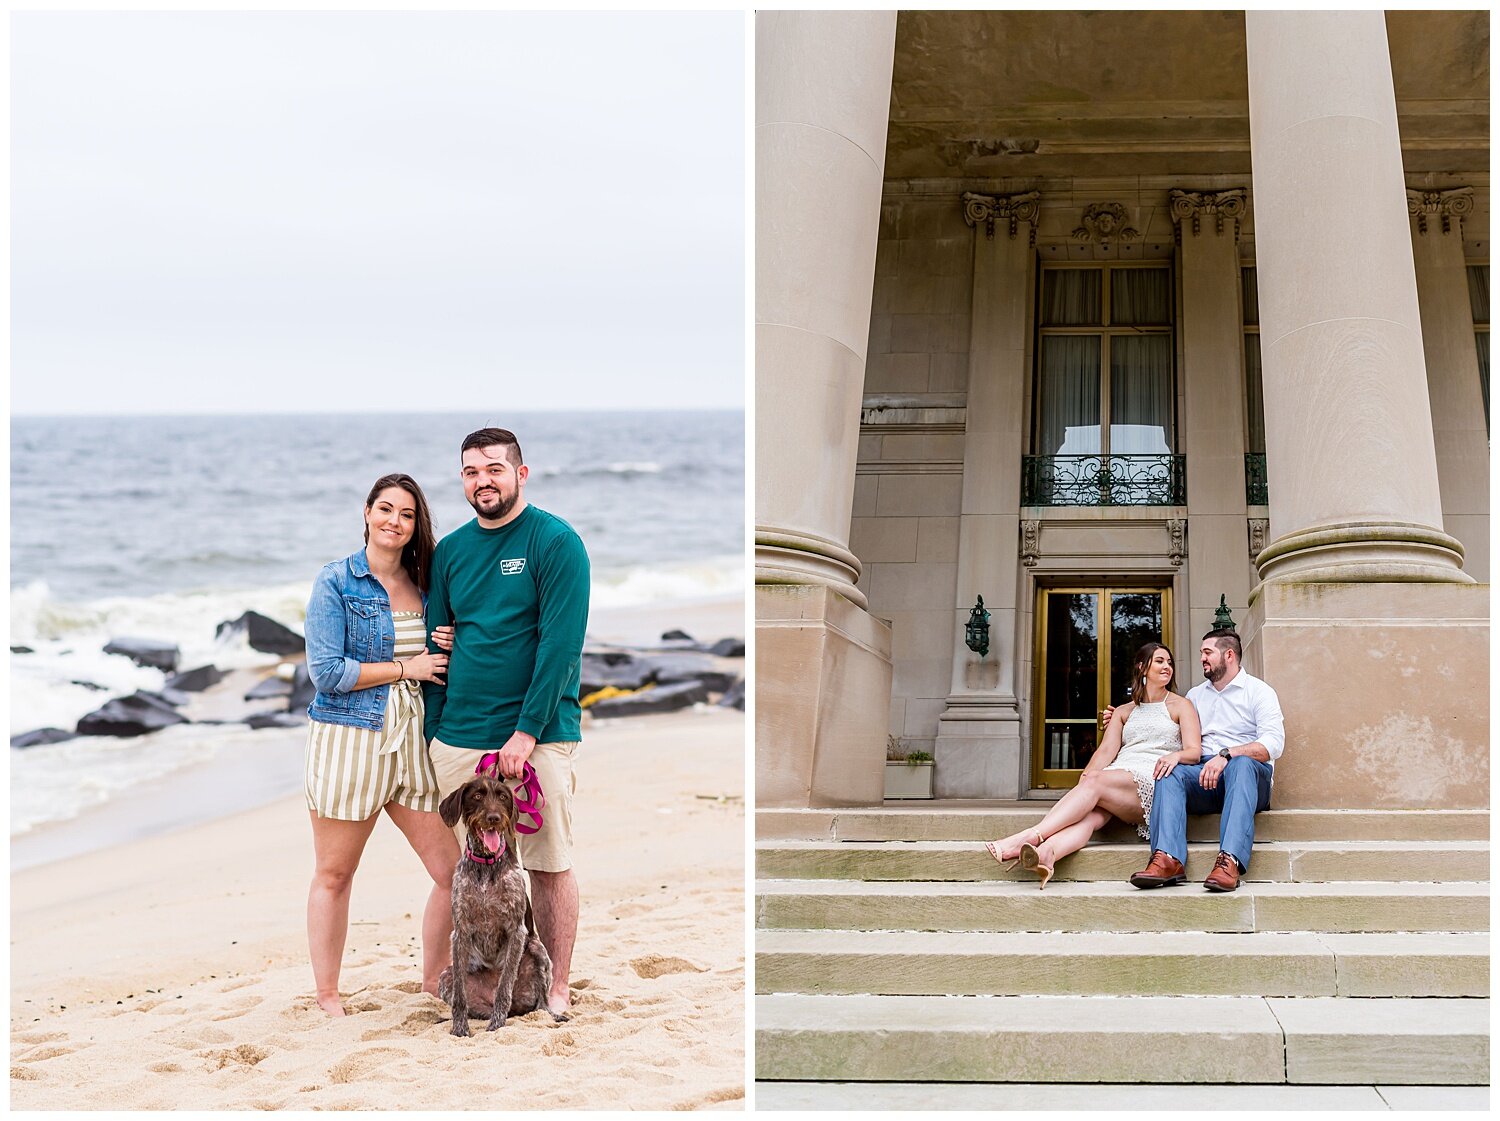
(641, 467)
(60, 781)
(687, 580)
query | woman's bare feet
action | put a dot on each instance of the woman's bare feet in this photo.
(332, 1005)
(1009, 848)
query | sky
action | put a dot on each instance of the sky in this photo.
(376, 211)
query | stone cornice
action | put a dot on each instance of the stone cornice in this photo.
(1219, 205)
(1447, 205)
(1013, 209)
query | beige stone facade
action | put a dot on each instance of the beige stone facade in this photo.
(1309, 188)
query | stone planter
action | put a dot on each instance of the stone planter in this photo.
(908, 780)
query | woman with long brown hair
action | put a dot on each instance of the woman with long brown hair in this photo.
(1146, 739)
(366, 653)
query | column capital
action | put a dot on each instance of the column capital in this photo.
(1219, 205)
(1447, 205)
(1013, 209)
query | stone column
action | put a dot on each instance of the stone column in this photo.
(1350, 462)
(1364, 622)
(1207, 227)
(822, 98)
(978, 750)
(1463, 454)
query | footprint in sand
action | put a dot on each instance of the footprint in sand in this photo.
(245, 1055)
(417, 1023)
(411, 988)
(240, 983)
(41, 1054)
(239, 1008)
(26, 1074)
(39, 1037)
(361, 1063)
(655, 965)
(164, 1068)
(560, 1045)
(214, 1035)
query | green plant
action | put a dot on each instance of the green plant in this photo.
(915, 757)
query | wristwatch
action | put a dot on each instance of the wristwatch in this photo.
(1224, 754)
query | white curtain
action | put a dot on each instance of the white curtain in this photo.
(1070, 297)
(1069, 396)
(1140, 395)
(1254, 401)
(1140, 298)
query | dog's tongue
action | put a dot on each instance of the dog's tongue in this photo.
(491, 840)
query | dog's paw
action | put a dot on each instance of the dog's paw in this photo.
(460, 1026)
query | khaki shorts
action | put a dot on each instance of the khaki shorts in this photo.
(550, 849)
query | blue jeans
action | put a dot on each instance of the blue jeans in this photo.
(1244, 790)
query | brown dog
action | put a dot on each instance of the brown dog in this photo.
(496, 950)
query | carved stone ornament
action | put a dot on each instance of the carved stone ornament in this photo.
(1014, 209)
(1218, 205)
(1031, 533)
(1447, 205)
(1259, 528)
(1177, 531)
(1104, 222)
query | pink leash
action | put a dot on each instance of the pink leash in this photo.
(529, 797)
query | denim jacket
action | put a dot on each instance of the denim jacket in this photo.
(348, 623)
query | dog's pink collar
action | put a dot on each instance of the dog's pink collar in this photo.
(469, 852)
(529, 796)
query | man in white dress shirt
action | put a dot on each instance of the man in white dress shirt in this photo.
(1242, 739)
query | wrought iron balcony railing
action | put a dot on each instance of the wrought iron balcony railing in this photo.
(1103, 480)
(1255, 479)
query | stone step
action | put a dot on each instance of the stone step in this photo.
(1307, 1040)
(1112, 1098)
(1110, 906)
(949, 821)
(923, 963)
(1279, 861)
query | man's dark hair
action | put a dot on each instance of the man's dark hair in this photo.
(495, 437)
(1226, 640)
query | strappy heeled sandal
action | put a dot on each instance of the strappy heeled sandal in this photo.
(1031, 860)
(989, 847)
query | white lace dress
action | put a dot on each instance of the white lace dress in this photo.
(1150, 733)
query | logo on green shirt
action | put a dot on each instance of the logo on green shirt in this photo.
(512, 567)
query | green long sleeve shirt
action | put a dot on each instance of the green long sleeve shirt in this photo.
(519, 599)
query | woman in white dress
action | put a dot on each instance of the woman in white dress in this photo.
(1146, 739)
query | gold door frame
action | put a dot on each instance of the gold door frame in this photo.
(1064, 779)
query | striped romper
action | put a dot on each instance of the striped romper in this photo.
(353, 772)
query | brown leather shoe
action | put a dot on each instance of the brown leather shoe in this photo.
(1225, 876)
(1161, 872)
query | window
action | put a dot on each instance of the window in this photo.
(1479, 305)
(1255, 405)
(1104, 361)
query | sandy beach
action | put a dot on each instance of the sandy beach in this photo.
(170, 971)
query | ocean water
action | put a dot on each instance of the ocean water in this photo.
(163, 527)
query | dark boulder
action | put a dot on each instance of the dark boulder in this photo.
(266, 635)
(90, 686)
(195, 680)
(135, 715)
(42, 736)
(272, 686)
(676, 636)
(623, 671)
(734, 696)
(661, 698)
(303, 690)
(728, 648)
(146, 652)
(277, 720)
(674, 666)
(22, 650)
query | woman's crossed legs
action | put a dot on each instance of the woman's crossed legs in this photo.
(1070, 823)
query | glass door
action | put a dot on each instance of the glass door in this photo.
(1085, 646)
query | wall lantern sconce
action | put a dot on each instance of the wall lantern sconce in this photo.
(1223, 621)
(977, 629)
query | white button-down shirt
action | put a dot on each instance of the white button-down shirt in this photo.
(1244, 711)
